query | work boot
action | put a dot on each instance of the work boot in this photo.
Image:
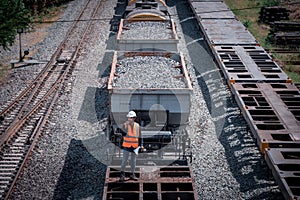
(121, 180)
(122, 177)
(133, 177)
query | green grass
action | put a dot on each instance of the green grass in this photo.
(247, 11)
(294, 76)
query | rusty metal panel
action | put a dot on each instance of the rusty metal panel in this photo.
(272, 112)
(285, 166)
(248, 64)
(161, 183)
(226, 32)
(211, 10)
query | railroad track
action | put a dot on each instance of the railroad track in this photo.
(292, 53)
(23, 120)
(282, 50)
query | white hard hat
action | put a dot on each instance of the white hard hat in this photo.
(131, 114)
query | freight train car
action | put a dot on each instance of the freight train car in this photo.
(147, 36)
(149, 76)
(149, 10)
(147, 26)
(161, 99)
(157, 87)
(266, 96)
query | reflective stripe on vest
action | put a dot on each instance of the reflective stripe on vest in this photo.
(132, 137)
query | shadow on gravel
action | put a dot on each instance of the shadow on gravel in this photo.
(111, 42)
(246, 163)
(101, 95)
(198, 50)
(87, 111)
(105, 66)
(114, 24)
(94, 109)
(82, 175)
(208, 75)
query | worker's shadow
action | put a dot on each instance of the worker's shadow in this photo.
(82, 175)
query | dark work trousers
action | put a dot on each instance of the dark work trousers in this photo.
(126, 152)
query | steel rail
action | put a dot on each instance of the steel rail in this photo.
(53, 91)
(37, 83)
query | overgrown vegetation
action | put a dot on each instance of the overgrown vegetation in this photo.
(18, 14)
(40, 7)
(13, 16)
(247, 11)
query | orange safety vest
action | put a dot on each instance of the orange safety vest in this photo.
(132, 137)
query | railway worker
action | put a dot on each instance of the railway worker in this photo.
(131, 141)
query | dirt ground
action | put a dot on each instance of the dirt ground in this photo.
(35, 35)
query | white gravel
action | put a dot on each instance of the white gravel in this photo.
(147, 30)
(161, 73)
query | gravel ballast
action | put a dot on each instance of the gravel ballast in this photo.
(147, 30)
(69, 160)
(162, 73)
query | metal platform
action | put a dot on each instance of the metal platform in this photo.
(211, 10)
(272, 112)
(226, 32)
(285, 166)
(248, 64)
(154, 183)
(219, 24)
